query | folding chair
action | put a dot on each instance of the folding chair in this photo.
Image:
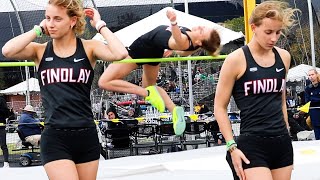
(118, 139)
(166, 137)
(195, 134)
(144, 136)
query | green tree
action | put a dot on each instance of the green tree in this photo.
(235, 24)
(299, 45)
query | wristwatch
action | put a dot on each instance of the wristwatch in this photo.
(232, 148)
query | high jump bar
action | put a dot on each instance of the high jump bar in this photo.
(169, 59)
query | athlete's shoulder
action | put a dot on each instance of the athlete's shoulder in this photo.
(283, 52)
(235, 62)
(236, 55)
(285, 55)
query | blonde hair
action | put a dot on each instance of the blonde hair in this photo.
(316, 72)
(74, 8)
(276, 10)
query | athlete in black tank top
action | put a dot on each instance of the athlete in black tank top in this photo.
(255, 76)
(258, 94)
(70, 147)
(152, 45)
(71, 76)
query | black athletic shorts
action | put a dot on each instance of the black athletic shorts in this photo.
(78, 145)
(271, 152)
(140, 49)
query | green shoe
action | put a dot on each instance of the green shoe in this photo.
(179, 123)
(155, 99)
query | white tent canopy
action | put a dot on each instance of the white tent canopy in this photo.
(299, 73)
(21, 88)
(32, 5)
(128, 34)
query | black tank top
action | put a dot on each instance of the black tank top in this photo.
(258, 95)
(65, 85)
(153, 43)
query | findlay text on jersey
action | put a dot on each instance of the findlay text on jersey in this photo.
(261, 86)
(56, 75)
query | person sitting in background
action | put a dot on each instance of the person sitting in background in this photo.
(294, 125)
(29, 126)
(201, 108)
(216, 134)
(204, 108)
(301, 118)
(112, 113)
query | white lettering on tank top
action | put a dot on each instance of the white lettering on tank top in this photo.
(262, 86)
(57, 75)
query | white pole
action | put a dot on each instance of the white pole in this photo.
(311, 34)
(26, 67)
(186, 10)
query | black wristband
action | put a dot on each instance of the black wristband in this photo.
(101, 28)
(42, 30)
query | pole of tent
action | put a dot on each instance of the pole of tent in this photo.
(313, 56)
(248, 6)
(186, 10)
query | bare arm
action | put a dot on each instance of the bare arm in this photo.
(232, 69)
(185, 53)
(286, 57)
(21, 47)
(168, 53)
(114, 50)
(227, 78)
(178, 41)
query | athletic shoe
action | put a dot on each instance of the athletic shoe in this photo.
(179, 123)
(6, 165)
(155, 99)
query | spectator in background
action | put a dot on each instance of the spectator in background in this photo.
(172, 86)
(203, 108)
(130, 113)
(112, 113)
(29, 126)
(301, 98)
(290, 100)
(312, 94)
(173, 74)
(216, 134)
(137, 112)
(294, 125)
(12, 115)
(301, 117)
(4, 114)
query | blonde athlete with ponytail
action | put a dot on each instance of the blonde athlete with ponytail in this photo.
(255, 76)
(70, 147)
